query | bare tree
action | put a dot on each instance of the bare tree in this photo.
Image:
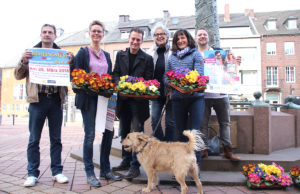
(207, 17)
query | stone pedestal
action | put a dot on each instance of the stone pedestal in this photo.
(296, 113)
(261, 130)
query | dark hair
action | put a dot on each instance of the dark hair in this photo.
(52, 26)
(137, 30)
(191, 41)
(96, 22)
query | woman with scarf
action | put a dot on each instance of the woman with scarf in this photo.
(187, 109)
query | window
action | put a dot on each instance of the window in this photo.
(3, 107)
(19, 92)
(290, 74)
(124, 35)
(271, 25)
(115, 54)
(17, 107)
(272, 76)
(289, 48)
(12, 107)
(271, 48)
(292, 24)
(7, 74)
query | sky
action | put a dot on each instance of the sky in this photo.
(21, 20)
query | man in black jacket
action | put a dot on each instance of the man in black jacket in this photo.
(133, 62)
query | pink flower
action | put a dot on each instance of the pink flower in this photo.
(254, 178)
(285, 180)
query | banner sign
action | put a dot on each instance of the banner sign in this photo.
(222, 71)
(49, 67)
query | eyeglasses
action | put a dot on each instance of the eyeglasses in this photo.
(159, 34)
(98, 31)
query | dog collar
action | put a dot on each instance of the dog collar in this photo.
(142, 148)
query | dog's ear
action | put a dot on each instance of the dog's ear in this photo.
(142, 137)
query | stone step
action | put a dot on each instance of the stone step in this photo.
(287, 158)
(207, 177)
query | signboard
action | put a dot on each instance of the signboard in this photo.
(49, 67)
(222, 71)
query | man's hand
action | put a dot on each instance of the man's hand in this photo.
(26, 56)
(238, 60)
(71, 56)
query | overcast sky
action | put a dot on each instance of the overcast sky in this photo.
(21, 20)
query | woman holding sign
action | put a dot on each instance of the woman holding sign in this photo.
(93, 59)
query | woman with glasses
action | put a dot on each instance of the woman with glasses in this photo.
(93, 59)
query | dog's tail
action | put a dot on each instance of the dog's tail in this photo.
(195, 141)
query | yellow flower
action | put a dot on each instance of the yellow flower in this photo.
(123, 77)
(134, 86)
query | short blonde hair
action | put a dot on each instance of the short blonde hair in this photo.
(96, 22)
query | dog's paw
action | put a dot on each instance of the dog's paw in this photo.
(146, 190)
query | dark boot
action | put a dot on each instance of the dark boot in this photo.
(122, 166)
(204, 154)
(132, 173)
(229, 155)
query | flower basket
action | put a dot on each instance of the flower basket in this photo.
(137, 87)
(186, 81)
(187, 91)
(92, 84)
(139, 96)
(262, 176)
(264, 186)
(295, 174)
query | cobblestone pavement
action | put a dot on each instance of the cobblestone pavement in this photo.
(13, 144)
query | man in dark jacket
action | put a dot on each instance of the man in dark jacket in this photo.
(133, 62)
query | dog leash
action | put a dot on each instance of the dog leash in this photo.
(161, 115)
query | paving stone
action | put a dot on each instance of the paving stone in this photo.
(95, 191)
(121, 184)
(109, 188)
(122, 191)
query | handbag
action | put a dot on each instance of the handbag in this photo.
(213, 144)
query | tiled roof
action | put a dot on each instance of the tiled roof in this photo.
(187, 22)
(280, 17)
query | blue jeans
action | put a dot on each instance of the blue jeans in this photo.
(105, 151)
(126, 118)
(222, 109)
(38, 112)
(88, 117)
(156, 108)
(191, 109)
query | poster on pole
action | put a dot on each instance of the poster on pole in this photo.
(105, 115)
(222, 71)
(49, 67)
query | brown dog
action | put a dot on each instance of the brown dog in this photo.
(174, 157)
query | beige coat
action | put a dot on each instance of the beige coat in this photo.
(21, 72)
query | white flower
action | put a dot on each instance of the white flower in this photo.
(153, 88)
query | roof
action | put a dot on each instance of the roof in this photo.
(281, 17)
(114, 31)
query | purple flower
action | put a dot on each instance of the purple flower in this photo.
(182, 70)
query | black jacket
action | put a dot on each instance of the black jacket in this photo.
(142, 67)
(82, 61)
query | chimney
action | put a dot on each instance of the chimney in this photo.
(226, 13)
(251, 13)
(166, 14)
(123, 18)
(246, 12)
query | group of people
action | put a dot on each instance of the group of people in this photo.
(182, 111)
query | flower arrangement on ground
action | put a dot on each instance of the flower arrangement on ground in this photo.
(92, 83)
(266, 176)
(186, 80)
(295, 174)
(138, 87)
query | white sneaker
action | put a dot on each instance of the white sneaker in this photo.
(30, 181)
(60, 178)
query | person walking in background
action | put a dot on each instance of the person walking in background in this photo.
(160, 52)
(219, 102)
(45, 102)
(186, 107)
(93, 59)
(133, 62)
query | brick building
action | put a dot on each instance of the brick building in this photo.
(280, 53)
